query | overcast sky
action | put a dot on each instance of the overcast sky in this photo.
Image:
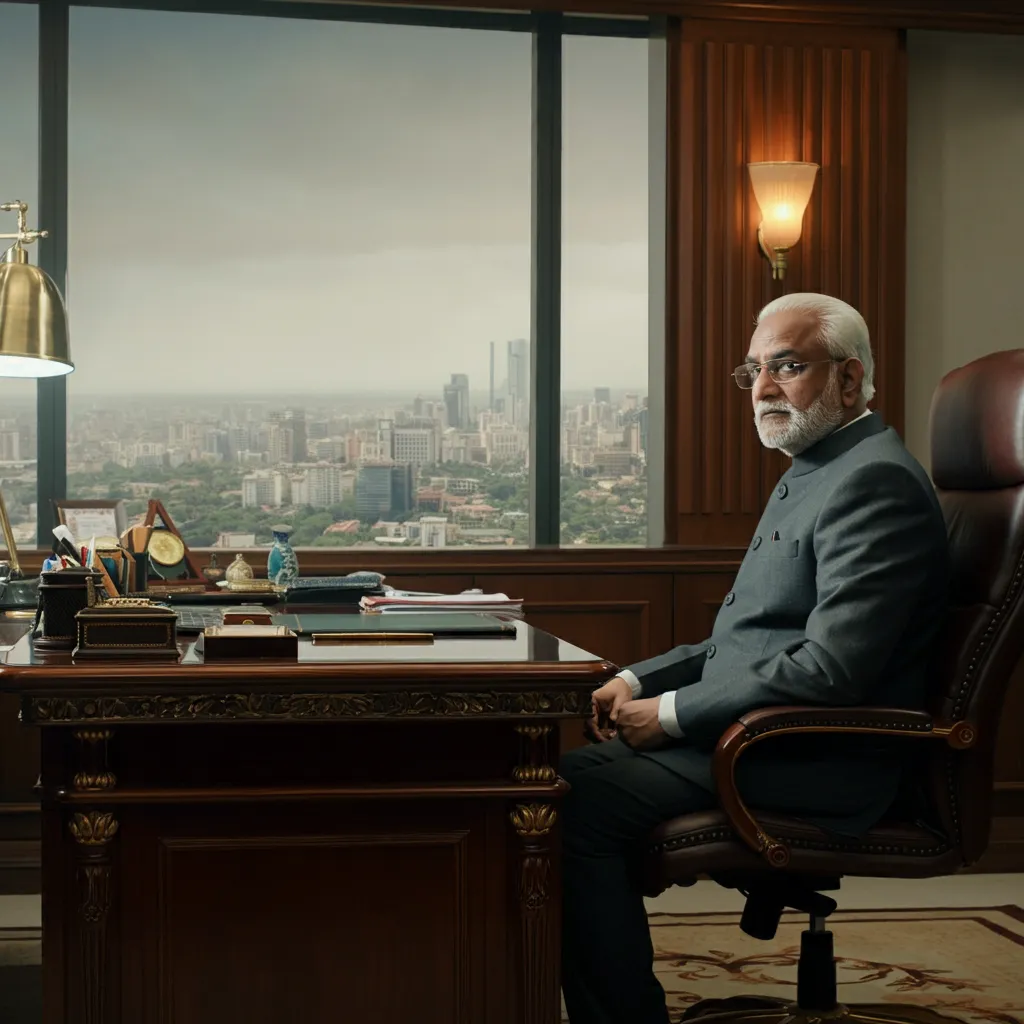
(259, 204)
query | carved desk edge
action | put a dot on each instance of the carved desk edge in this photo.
(69, 678)
(94, 706)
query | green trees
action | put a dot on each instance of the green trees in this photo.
(205, 499)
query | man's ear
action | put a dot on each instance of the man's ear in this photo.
(851, 377)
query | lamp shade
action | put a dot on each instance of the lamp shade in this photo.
(33, 322)
(782, 189)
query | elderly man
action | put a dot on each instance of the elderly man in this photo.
(837, 602)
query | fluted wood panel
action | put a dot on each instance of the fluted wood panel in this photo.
(749, 91)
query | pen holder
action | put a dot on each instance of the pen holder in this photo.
(62, 594)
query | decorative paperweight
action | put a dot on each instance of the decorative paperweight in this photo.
(239, 571)
(126, 627)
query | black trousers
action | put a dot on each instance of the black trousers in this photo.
(618, 796)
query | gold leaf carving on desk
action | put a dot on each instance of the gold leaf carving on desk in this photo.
(86, 781)
(307, 706)
(533, 819)
(97, 828)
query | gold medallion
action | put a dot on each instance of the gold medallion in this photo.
(166, 548)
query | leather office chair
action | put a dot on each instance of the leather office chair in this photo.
(977, 446)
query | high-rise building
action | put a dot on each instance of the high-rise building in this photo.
(490, 402)
(296, 419)
(329, 449)
(414, 445)
(403, 494)
(373, 491)
(518, 381)
(456, 401)
(385, 433)
(266, 488)
(324, 485)
(217, 443)
(603, 395)
(280, 441)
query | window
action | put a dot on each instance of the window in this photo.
(299, 276)
(306, 256)
(19, 42)
(605, 166)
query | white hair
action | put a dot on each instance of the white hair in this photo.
(841, 329)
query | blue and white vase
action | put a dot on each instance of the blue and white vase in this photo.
(282, 565)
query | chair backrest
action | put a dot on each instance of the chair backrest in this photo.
(977, 452)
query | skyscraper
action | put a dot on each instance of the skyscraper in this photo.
(374, 491)
(490, 404)
(296, 419)
(603, 395)
(456, 400)
(518, 382)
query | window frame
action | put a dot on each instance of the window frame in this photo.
(548, 29)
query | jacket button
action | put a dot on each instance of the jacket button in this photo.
(711, 651)
(782, 491)
(730, 597)
(756, 544)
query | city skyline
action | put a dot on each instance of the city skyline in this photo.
(428, 471)
(352, 199)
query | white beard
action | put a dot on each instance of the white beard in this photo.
(799, 429)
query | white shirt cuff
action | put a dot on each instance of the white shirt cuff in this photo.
(667, 715)
(634, 683)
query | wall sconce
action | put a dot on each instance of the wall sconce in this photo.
(782, 189)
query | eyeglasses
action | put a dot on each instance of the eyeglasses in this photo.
(782, 371)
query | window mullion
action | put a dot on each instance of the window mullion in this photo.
(546, 290)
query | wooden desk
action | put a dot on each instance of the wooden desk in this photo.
(365, 835)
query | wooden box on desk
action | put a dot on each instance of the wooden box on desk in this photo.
(250, 642)
(126, 628)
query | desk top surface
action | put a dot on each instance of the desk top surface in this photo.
(529, 654)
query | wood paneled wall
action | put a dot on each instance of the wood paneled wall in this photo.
(742, 92)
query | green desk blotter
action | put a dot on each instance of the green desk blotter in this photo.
(438, 624)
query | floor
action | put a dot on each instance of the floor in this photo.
(706, 897)
(20, 991)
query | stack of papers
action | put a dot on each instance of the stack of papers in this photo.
(471, 601)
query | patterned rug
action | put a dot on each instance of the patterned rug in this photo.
(967, 963)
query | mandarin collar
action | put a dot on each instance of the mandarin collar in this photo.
(837, 443)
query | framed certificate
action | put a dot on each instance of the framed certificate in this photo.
(88, 519)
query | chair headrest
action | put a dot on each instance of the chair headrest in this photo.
(977, 424)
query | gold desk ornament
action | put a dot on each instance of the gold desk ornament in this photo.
(125, 627)
(212, 572)
(166, 548)
(239, 571)
(33, 322)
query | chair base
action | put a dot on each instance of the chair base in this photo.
(743, 1009)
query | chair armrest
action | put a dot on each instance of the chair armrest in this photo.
(765, 723)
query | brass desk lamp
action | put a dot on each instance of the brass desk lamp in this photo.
(33, 322)
(33, 343)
